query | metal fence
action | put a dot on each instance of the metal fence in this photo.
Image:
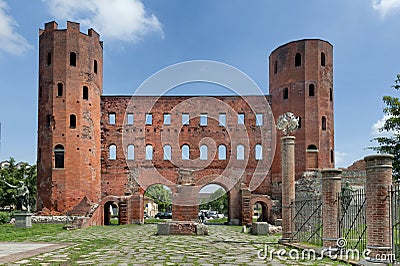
(394, 193)
(352, 218)
(307, 217)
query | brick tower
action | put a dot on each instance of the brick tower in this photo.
(301, 82)
(70, 86)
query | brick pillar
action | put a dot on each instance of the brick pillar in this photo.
(246, 205)
(185, 204)
(136, 209)
(331, 185)
(288, 186)
(378, 179)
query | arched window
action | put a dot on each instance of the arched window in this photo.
(48, 59)
(323, 123)
(297, 60)
(330, 95)
(131, 152)
(48, 121)
(185, 152)
(275, 67)
(258, 150)
(311, 90)
(322, 59)
(299, 118)
(95, 66)
(203, 152)
(312, 147)
(285, 93)
(240, 152)
(59, 156)
(112, 152)
(167, 152)
(332, 156)
(59, 89)
(149, 152)
(221, 152)
(85, 93)
(72, 59)
(72, 121)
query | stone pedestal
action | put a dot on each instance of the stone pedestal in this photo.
(182, 228)
(23, 219)
(288, 187)
(260, 228)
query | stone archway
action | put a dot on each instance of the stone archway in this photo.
(265, 204)
(111, 211)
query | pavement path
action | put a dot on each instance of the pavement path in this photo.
(138, 245)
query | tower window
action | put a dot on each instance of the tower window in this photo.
(258, 150)
(72, 121)
(131, 152)
(167, 119)
(111, 118)
(285, 93)
(59, 89)
(297, 60)
(332, 156)
(85, 93)
(203, 120)
(275, 67)
(259, 120)
(185, 119)
(129, 119)
(323, 123)
(95, 66)
(149, 119)
(222, 120)
(299, 119)
(59, 156)
(185, 152)
(221, 152)
(240, 119)
(203, 152)
(72, 59)
(149, 152)
(112, 152)
(322, 59)
(167, 152)
(240, 152)
(48, 59)
(48, 120)
(312, 147)
(311, 90)
(330, 95)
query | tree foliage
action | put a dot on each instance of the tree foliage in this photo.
(161, 195)
(217, 199)
(391, 144)
(13, 173)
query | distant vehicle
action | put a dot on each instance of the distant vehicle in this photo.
(164, 215)
(145, 215)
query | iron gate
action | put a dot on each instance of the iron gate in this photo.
(352, 218)
(395, 217)
(307, 217)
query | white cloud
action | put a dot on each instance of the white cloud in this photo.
(385, 7)
(125, 20)
(379, 124)
(340, 159)
(10, 41)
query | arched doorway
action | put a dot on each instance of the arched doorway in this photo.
(214, 204)
(111, 213)
(157, 202)
(260, 212)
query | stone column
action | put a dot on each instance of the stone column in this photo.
(331, 185)
(288, 186)
(378, 179)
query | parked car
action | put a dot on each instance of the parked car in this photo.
(164, 215)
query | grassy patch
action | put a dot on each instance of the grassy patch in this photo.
(220, 220)
(153, 221)
(9, 232)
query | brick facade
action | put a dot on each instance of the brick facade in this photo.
(90, 170)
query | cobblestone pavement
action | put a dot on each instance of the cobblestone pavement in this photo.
(138, 245)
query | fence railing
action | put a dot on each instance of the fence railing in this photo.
(394, 193)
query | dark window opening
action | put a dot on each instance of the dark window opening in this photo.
(59, 89)
(299, 119)
(40, 92)
(322, 59)
(276, 67)
(48, 120)
(323, 123)
(59, 156)
(312, 147)
(85, 93)
(48, 59)
(285, 93)
(330, 95)
(95, 66)
(72, 59)
(72, 121)
(311, 90)
(332, 157)
(297, 60)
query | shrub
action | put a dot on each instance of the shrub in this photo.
(4, 217)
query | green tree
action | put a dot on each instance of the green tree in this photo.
(13, 173)
(217, 199)
(391, 144)
(161, 195)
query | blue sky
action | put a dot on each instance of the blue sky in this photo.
(141, 38)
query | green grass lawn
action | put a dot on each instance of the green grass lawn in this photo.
(8, 232)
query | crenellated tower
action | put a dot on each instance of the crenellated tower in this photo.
(301, 82)
(70, 86)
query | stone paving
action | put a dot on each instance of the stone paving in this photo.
(138, 245)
